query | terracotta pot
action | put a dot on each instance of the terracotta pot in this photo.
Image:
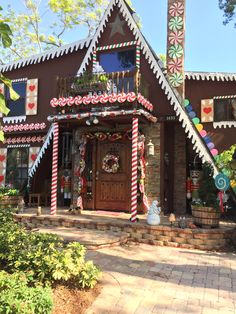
(205, 217)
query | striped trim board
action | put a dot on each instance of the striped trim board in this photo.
(54, 169)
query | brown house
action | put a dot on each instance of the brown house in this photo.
(101, 125)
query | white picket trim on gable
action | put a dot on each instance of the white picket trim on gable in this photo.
(42, 151)
(172, 95)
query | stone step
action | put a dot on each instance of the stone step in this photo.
(92, 239)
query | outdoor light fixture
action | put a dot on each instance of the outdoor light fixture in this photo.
(150, 148)
(88, 122)
(95, 120)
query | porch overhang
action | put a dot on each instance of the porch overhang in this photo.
(105, 115)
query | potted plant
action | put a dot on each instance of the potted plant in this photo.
(9, 197)
(206, 212)
(91, 83)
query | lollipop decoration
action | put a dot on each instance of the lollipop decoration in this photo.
(222, 182)
(176, 9)
(176, 23)
(176, 79)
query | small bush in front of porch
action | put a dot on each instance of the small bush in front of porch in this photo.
(44, 258)
(16, 297)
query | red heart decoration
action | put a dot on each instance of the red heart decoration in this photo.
(2, 158)
(32, 88)
(207, 110)
(33, 157)
(31, 105)
(1, 178)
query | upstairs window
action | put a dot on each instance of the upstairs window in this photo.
(225, 109)
(118, 61)
(17, 108)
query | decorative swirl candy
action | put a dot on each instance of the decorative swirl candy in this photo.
(105, 98)
(176, 37)
(131, 97)
(95, 99)
(176, 79)
(176, 51)
(122, 97)
(62, 102)
(222, 182)
(176, 9)
(54, 102)
(113, 98)
(70, 101)
(175, 65)
(78, 100)
(86, 100)
(176, 23)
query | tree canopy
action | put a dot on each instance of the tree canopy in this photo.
(43, 24)
(228, 7)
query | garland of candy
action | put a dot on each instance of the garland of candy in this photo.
(175, 48)
(104, 136)
(142, 163)
(104, 114)
(103, 99)
(81, 182)
(224, 97)
(24, 127)
(134, 172)
(54, 168)
(114, 46)
(110, 163)
(196, 121)
(24, 139)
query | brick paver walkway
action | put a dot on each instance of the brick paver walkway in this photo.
(144, 279)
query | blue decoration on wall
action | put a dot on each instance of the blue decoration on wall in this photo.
(192, 114)
(222, 182)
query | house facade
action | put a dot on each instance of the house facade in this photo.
(102, 125)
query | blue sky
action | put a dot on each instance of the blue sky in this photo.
(210, 46)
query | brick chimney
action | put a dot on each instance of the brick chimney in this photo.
(175, 44)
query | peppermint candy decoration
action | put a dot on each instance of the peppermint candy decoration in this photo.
(176, 51)
(131, 97)
(176, 9)
(176, 37)
(62, 102)
(78, 100)
(95, 99)
(54, 102)
(70, 101)
(176, 79)
(175, 65)
(121, 97)
(176, 23)
(113, 98)
(86, 100)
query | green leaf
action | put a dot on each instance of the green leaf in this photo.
(3, 107)
(8, 83)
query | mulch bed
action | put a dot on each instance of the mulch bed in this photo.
(69, 300)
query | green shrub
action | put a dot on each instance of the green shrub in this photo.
(44, 257)
(16, 297)
(5, 191)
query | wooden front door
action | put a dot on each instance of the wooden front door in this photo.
(113, 189)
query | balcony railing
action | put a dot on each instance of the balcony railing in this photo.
(115, 82)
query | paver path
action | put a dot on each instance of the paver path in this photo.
(144, 279)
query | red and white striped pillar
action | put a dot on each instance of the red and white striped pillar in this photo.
(134, 175)
(54, 168)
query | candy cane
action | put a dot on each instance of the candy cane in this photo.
(94, 58)
(134, 178)
(138, 53)
(54, 169)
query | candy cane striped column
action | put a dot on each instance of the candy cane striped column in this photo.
(94, 58)
(54, 168)
(134, 176)
(138, 55)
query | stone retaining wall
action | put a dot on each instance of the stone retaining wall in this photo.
(203, 239)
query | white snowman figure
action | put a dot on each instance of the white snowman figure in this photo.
(154, 211)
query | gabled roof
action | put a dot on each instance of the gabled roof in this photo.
(47, 55)
(172, 95)
(210, 76)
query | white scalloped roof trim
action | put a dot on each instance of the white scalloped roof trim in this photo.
(172, 95)
(51, 54)
(224, 124)
(213, 76)
(41, 152)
